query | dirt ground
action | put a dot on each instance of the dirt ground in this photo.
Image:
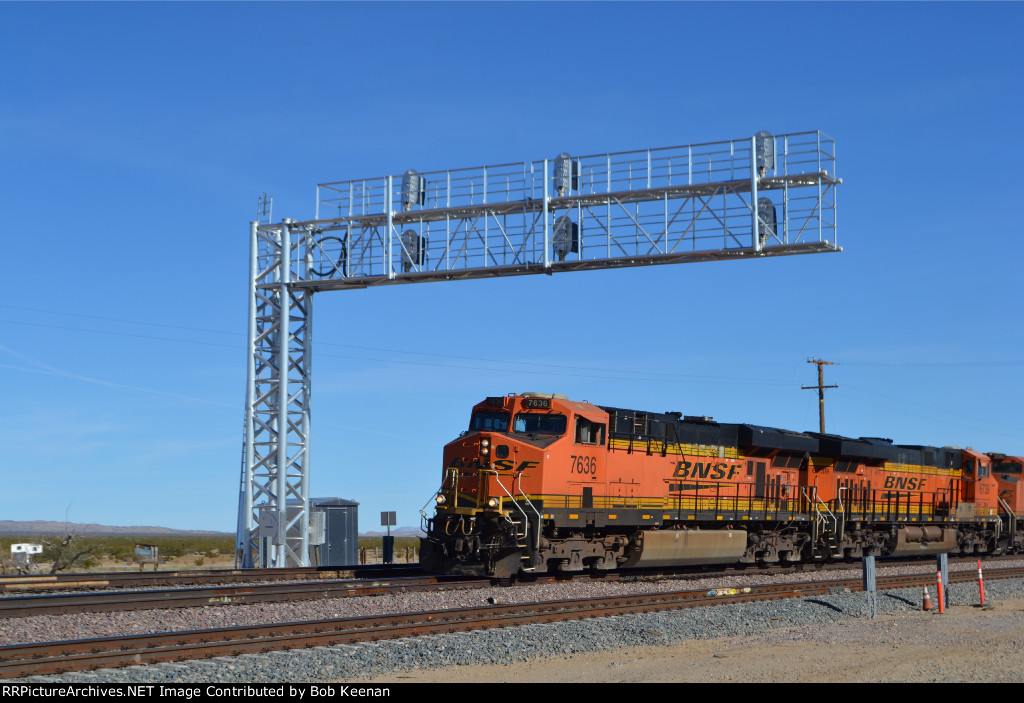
(190, 562)
(196, 562)
(965, 644)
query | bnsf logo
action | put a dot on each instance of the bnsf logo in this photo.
(460, 463)
(509, 465)
(478, 464)
(700, 469)
(910, 484)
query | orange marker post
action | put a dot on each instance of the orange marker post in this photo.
(942, 598)
(981, 583)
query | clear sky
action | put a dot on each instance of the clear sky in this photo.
(137, 137)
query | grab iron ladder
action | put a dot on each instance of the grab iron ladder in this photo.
(826, 524)
(1011, 525)
(522, 525)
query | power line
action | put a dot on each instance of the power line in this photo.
(934, 364)
(619, 374)
(205, 330)
(985, 425)
(582, 371)
(118, 319)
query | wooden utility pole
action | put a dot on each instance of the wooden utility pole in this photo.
(821, 390)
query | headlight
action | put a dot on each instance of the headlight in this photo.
(493, 502)
(441, 500)
(485, 442)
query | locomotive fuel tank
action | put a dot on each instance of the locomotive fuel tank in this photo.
(929, 539)
(655, 548)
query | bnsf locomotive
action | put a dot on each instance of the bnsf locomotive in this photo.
(540, 483)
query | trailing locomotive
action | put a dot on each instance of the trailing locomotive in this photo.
(540, 483)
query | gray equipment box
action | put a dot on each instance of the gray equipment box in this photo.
(333, 532)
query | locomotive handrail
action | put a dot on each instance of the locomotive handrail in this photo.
(1011, 521)
(532, 507)
(526, 518)
(1006, 506)
(424, 518)
(840, 525)
(815, 501)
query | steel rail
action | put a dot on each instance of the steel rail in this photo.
(113, 601)
(73, 655)
(122, 600)
(117, 579)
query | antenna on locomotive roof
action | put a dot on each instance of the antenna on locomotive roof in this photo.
(821, 390)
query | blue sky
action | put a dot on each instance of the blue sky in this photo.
(137, 138)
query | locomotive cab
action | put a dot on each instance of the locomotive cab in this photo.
(1008, 472)
(980, 486)
(485, 521)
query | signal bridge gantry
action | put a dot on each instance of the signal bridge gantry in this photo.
(765, 195)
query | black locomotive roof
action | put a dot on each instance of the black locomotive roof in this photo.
(774, 438)
(639, 424)
(942, 457)
(863, 448)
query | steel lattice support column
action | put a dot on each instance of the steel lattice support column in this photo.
(273, 529)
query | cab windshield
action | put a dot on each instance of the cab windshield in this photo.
(536, 423)
(488, 422)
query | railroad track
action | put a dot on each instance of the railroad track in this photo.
(111, 601)
(48, 583)
(121, 600)
(147, 579)
(75, 655)
(293, 589)
(297, 584)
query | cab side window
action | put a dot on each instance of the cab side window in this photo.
(588, 432)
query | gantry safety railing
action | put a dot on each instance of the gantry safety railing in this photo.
(769, 193)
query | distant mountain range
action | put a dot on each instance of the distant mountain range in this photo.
(51, 527)
(395, 532)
